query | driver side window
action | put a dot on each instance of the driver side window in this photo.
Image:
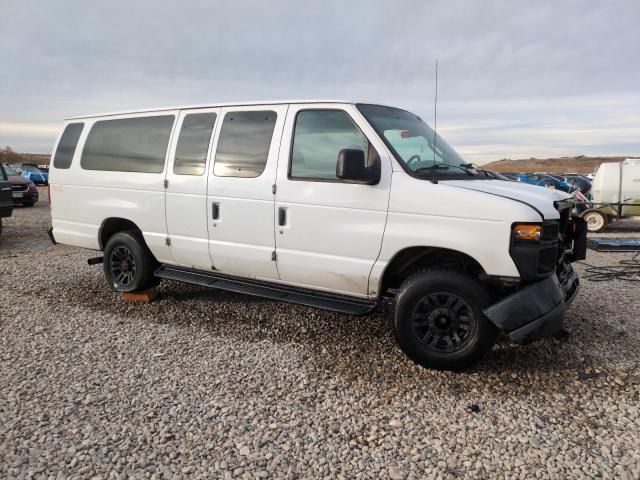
(318, 137)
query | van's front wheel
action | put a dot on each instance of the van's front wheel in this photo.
(439, 321)
(128, 263)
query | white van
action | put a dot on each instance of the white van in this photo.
(330, 204)
(616, 193)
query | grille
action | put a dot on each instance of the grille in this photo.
(547, 259)
(564, 209)
(550, 230)
(548, 254)
(564, 242)
(20, 188)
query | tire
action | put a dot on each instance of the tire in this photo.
(0, 227)
(596, 221)
(439, 321)
(28, 204)
(128, 263)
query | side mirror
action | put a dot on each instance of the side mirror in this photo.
(351, 165)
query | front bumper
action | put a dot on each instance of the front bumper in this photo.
(26, 196)
(537, 310)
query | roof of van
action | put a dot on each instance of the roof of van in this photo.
(208, 105)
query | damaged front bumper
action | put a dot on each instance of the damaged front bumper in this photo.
(536, 310)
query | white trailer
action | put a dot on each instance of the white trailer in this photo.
(616, 193)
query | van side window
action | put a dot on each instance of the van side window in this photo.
(67, 145)
(128, 145)
(193, 143)
(244, 144)
(318, 137)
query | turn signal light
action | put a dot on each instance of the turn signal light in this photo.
(523, 231)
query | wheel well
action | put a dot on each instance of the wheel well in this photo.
(113, 225)
(411, 259)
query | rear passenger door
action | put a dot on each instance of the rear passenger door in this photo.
(186, 188)
(240, 201)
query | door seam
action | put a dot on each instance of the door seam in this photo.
(274, 195)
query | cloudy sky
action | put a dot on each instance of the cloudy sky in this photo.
(516, 78)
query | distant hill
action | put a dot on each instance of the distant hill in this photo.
(8, 155)
(38, 158)
(579, 164)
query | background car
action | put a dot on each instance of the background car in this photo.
(544, 180)
(6, 204)
(33, 173)
(24, 191)
(581, 182)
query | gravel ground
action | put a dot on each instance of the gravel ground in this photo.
(206, 383)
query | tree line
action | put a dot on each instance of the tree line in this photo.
(9, 155)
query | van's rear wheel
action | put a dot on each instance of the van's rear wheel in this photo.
(128, 263)
(439, 320)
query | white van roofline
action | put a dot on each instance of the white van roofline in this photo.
(209, 105)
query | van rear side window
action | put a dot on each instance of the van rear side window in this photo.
(67, 145)
(193, 143)
(244, 144)
(128, 144)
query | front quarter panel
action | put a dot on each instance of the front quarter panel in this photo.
(475, 223)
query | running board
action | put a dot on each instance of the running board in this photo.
(310, 298)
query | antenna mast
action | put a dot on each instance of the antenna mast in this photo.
(435, 116)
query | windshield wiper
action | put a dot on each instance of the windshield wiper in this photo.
(475, 166)
(444, 166)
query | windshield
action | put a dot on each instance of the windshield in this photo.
(31, 168)
(414, 143)
(10, 171)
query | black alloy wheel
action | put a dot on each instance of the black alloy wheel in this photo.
(122, 265)
(443, 321)
(440, 321)
(129, 265)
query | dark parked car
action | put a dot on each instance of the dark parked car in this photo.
(24, 191)
(580, 181)
(6, 202)
(576, 182)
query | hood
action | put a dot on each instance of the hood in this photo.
(18, 180)
(539, 198)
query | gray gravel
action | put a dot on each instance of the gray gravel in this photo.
(206, 383)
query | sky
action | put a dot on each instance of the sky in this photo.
(516, 78)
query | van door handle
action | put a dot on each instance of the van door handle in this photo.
(282, 216)
(215, 210)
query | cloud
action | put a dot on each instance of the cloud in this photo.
(514, 76)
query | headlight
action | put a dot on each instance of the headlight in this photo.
(31, 184)
(527, 232)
